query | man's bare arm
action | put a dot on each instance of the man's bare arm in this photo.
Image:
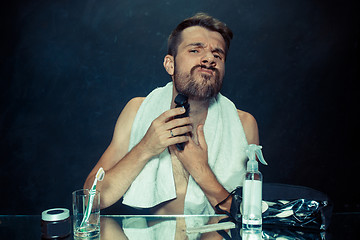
(113, 154)
(122, 167)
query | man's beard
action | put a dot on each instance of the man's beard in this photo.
(203, 87)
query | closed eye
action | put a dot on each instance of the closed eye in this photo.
(217, 56)
(194, 51)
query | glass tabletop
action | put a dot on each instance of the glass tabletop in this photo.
(343, 226)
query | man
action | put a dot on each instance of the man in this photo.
(137, 163)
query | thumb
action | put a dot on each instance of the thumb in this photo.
(201, 136)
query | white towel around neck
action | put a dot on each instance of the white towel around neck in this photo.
(225, 137)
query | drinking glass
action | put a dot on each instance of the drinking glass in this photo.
(89, 229)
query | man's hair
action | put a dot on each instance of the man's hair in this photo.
(202, 20)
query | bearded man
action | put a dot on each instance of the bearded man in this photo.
(142, 163)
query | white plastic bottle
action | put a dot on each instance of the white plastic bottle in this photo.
(252, 191)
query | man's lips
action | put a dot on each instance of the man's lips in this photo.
(206, 70)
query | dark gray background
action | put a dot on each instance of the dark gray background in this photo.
(68, 67)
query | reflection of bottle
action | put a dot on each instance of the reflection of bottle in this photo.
(250, 235)
(252, 191)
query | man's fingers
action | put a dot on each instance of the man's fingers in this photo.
(178, 139)
(168, 115)
(181, 130)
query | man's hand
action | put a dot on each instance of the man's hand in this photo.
(158, 137)
(195, 156)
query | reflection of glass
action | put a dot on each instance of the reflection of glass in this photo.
(91, 229)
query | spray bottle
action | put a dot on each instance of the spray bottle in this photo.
(252, 191)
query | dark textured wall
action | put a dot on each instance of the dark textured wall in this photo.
(68, 68)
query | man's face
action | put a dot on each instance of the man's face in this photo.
(199, 66)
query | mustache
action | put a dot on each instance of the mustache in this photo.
(204, 66)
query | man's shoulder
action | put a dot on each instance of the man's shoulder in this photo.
(250, 126)
(125, 121)
(128, 114)
(246, 117)
(133, 105)
(135, 102)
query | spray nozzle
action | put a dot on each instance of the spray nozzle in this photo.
(251, 151)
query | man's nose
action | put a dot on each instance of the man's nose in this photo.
(208, 59)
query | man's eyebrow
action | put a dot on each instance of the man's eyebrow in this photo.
(199, 44)
(196, 44)
(219, 50)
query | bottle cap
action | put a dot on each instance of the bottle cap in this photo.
(251, 151)
(55, 214)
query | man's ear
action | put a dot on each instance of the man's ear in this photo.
(169, 64)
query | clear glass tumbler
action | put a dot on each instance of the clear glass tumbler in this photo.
(86, 224)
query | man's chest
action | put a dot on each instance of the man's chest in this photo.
(181, 176)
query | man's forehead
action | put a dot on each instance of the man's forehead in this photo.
(197, 34)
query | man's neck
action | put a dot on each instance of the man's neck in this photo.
(198, 111)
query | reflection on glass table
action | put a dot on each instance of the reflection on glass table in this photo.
(191, 227)
(343, 226)
(158, 227)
